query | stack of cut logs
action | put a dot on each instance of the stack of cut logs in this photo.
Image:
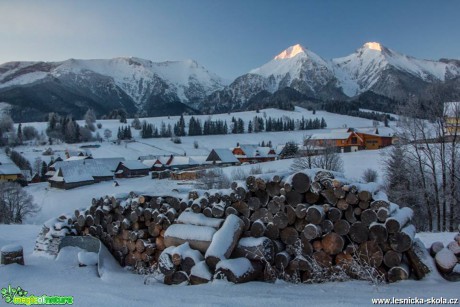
(447, 258)
(269, 226)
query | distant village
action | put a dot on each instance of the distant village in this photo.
(79, 168)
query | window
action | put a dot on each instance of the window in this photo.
(354, 140)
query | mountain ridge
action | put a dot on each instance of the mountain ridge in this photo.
(173, 87)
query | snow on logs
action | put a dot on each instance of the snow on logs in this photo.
(447, 258)
(265, 227)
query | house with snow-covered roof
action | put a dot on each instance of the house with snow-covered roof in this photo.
(222, 156)
(131, 168)
(254, 153)
(75, 173)
(9, 172)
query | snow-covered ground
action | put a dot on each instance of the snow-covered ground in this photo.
(164, 146)
(62, 276)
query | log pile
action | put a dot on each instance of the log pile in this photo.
(447, 258)
(12, 254)
(264, 228)
(52, 232)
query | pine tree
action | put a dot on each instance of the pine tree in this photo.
(250, 127)
(323, 123)
(43, 170)
(20, 133)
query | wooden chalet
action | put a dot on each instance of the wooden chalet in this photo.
(133, 168)
(222, 156)
(343, 141)
(254, 153)
(374, 138)
(353, 140)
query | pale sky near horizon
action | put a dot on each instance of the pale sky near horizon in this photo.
(227, 37)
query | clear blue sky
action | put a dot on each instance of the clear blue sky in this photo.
(228, 37)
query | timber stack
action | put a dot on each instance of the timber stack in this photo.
(447, 258)
(264, 228)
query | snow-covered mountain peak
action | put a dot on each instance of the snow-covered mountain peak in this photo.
(373, 46)
(291, 52)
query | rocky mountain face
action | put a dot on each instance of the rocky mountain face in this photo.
(294, 77)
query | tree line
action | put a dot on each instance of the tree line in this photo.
(237, 126)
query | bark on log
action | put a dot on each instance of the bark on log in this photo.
(200, 274)
(224, 241)
(199, 237)
(261, 249)
(397, 221)
(418, 267)
(165, 264)
(403, 240)
(239, 270)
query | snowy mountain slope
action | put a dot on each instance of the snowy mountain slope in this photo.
(372, 67)
(297, 63)
(361, 70)
(131, 81)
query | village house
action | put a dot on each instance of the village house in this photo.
(76, 173)
(132, 168)
(452, 117)
(222, 157)
(352, 139)
(9, 172)
(254, 153)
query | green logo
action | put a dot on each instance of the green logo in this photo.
(18, 296)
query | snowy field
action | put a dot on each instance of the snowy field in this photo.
(62, 276)
(164, 146)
